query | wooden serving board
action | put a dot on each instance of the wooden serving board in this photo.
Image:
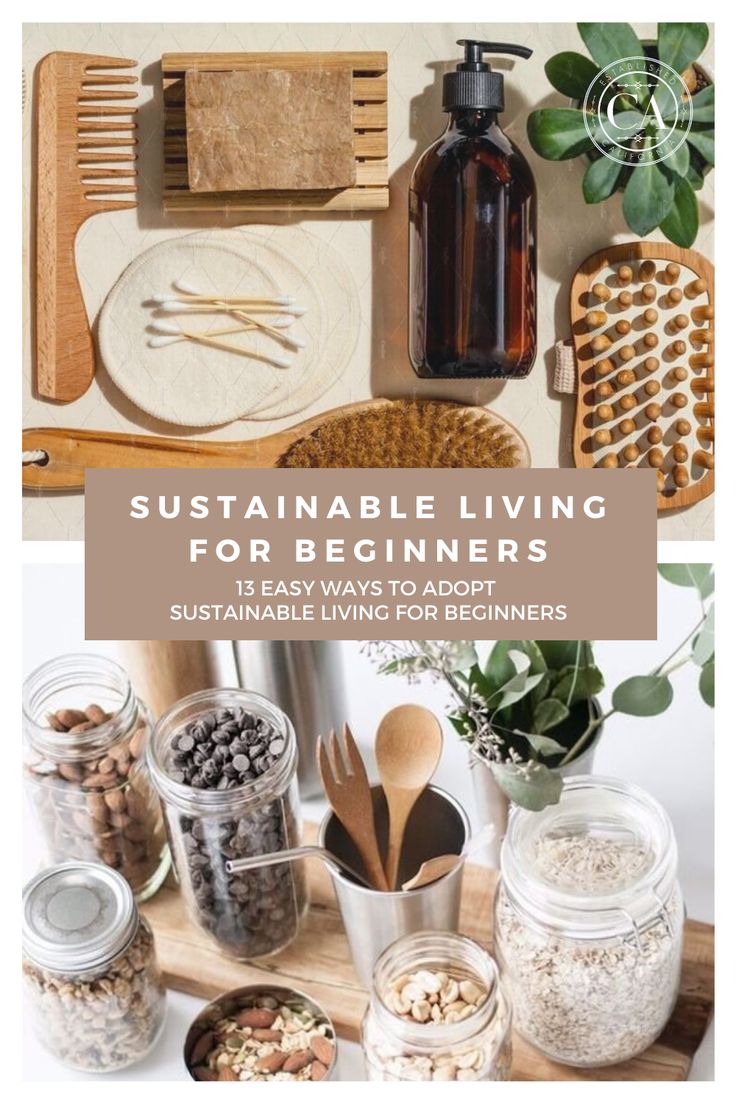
(601, 267)
(370, 125)
(318, 963)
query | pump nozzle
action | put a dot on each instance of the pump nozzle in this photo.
(474, 85)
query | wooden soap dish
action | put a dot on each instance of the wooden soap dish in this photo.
(644, 340)
(370, 126)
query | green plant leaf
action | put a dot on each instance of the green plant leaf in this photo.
(704, 105)
(707, 683)
(558, 133)
(681, 223)
(704, 141)
(608, 42)
(679, 161)
(531, 785)
(459, 655)
(543, 745)
(549, 713)
(698, 575)
(704, 110)
(679, 44)
(601, 178)
(647, 198)
(578, 683)
(518, 686)
(643, 695)
(562, 653)
(571, 74)
(499, 666)
(705, 642)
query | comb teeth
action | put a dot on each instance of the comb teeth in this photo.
(102, 111)
(93, 96)
(104, 143)
(92, 158)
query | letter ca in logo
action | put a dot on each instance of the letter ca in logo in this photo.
(637, 111)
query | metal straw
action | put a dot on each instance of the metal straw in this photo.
(272, 858)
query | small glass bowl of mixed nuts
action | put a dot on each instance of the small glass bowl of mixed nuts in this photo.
(261, 1034)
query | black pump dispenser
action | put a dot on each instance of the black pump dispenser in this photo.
(473, 85)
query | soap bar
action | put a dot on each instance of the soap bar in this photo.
(268, 129)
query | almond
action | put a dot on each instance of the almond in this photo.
(255, 1017)
(201, 1048)
(204, 1073)
(96, 714)
(72, 772)
(226, 1074)
(322, 1049)
(318, 1071)
(70, 717)
(297, 1060)
(267, 1035)
(271, 1063)
(115, 801)
(137, 742)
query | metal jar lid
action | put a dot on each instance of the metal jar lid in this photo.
(77, 917)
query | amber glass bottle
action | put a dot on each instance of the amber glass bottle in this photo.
(472, 249)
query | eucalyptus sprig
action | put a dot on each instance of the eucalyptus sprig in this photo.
(532, 706)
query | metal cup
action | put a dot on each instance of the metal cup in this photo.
(438, 825)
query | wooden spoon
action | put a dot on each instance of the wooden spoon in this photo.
(440, 865)
(408, 749)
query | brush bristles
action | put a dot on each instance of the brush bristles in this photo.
(407, 434)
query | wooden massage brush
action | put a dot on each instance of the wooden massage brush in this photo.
(379, 433)
(86, 150)
(644, 329)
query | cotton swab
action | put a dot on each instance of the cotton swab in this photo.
(176, 328)
(173, 306)
(192, 292)
(202, 339)
(211, 306)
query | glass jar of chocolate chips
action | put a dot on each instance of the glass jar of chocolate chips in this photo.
(224, 764)
(85, 770)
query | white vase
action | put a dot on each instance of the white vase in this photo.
(492, 803)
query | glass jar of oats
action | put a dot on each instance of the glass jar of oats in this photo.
(437, 1013)
(94, 989)
(589, 922)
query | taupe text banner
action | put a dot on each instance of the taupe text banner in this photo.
(346, 554)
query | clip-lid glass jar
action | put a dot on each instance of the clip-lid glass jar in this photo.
(589, 922)
(95, 991)
(224, 763)
(437, 1012)
(85, 772)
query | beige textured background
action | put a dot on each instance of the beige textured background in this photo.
(375, 245)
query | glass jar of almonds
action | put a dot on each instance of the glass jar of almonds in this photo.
(94, 990)
(85, 771)
(437, 1013)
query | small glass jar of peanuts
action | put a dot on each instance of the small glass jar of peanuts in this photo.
(437, 1013)
(85, 770)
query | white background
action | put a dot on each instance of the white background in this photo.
(671, 756)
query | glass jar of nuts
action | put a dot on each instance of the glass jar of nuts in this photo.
(85, 769)
(93, 985)
(224, 763)
(437, 1013)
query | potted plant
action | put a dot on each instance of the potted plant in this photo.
(529, 711)
(660, 194)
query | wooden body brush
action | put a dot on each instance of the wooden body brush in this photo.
(379, 433)
(85, 160)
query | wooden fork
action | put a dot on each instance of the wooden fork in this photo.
(349, 793)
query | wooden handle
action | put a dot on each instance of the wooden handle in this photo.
(65, 356)
(70, 451)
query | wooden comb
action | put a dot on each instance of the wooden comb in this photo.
(86, 150)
